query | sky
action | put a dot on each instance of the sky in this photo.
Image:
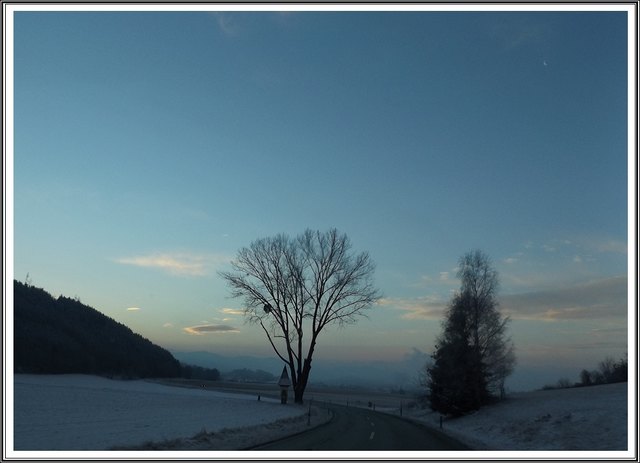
(149, 147)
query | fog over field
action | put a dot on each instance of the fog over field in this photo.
(387, 375)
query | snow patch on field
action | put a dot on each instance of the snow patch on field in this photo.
(80, 412)
(587, 418)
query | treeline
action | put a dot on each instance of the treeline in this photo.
(196, 372)
(609, 371)
(55, 336)
(244, 375)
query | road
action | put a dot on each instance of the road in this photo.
(353, 428)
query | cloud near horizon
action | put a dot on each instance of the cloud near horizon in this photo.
(181, 264)
(421, 308)
(232, 311)
(199, 330)
(604, 298)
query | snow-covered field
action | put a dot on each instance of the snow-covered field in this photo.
(588, 418)
(80, 412)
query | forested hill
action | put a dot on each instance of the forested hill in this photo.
(65, 336)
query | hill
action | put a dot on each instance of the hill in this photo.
(65, 336)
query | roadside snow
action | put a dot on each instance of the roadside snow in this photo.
(587, 418)
(80, 412)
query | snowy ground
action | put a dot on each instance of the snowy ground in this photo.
(588, 418)
(79, 412)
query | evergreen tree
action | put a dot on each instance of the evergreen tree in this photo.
(474, 355)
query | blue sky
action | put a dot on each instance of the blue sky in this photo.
(151, 146)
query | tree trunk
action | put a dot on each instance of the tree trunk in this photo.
(301, 385)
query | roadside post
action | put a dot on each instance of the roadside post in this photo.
(284, 384)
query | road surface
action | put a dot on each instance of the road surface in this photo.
(353, 428)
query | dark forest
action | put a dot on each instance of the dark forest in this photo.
(63, 335)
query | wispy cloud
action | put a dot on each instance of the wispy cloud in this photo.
(599, 299)
(133, 309)
(204, 329)
(549, 248)
(604, 332)
(444, 278)
(226, 23)
(588, 244)
(539, 265)
(426, 308)
(608, 246)
(232, 311)
(184, 264)
(516, 34)
(232, 24)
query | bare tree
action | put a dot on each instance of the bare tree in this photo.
(295, 287)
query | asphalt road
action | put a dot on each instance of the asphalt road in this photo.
(353, 428)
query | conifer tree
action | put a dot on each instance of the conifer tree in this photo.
(473, 356)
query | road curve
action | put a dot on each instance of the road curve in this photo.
(353, 428)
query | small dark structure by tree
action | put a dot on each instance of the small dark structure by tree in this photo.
(295, 287)
(473, 355)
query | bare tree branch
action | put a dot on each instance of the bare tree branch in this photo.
(301, 285)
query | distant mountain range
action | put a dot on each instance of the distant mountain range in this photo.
(370, 375)
(226, 364)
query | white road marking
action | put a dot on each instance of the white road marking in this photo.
(372, 423)
(372, 434)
